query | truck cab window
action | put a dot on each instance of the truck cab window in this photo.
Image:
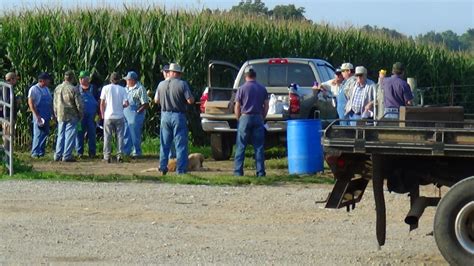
(282, 75)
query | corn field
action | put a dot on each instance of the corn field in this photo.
(103, 41)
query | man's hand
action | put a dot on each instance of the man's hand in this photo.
(369, 106)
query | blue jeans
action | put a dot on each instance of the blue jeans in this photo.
(66, 139)
(87, 125)
(173, 127)
(354, 117)
(341, 108)
(40, 135)
(133, 130)
(250, 130)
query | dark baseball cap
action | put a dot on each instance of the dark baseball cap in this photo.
(44, 76)
(249, 71)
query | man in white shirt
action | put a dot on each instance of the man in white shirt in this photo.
(113, 100)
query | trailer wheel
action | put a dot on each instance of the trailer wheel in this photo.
(454, 224)
(221, 146)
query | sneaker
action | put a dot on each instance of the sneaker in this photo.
(79, 156)
(57, 159)
(69, 160)
(119, 159)
(106, 160)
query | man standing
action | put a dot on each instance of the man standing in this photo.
(345, 90)
(113, 100)
(166, 76)
(397, 92)
(331, 87)
(10, 78)
(69, 109)
(40, 102)
(91, 105)
(173, 94)
(134, 115)
(251, 107)
(360, 104)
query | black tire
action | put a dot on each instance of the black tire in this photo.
(221, 146)
(454, 224)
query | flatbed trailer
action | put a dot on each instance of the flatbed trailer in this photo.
(406, 156)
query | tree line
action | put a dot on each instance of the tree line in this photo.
(448, 39)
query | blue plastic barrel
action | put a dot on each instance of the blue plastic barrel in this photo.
(305, 153)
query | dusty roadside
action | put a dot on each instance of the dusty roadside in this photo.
(149, 223)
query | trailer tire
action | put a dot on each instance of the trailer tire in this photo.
(454, 224)
(221, 146)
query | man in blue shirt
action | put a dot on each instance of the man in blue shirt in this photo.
(345, 90)
(397, 92)
(251, 107)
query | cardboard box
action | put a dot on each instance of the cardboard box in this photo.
(218, 107)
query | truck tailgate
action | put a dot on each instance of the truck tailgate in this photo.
(273, 117)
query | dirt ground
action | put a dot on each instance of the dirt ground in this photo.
(156, 223)
(144, 166)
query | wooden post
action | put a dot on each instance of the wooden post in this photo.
(413, 86)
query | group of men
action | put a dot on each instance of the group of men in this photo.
(123, 110)
(358, 97)
(355, 97)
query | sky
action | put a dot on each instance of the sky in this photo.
(410, 17)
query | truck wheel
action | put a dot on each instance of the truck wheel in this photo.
(221, 146)
(454, 224)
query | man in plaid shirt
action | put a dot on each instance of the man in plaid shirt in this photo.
(361, 102)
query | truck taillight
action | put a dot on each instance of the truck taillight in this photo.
(278, 61)
(203, 100)
(294, 103)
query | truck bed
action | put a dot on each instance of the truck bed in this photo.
(457, 140)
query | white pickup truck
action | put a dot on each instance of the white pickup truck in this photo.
(276, 74)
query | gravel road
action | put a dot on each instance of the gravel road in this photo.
(154, 223)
